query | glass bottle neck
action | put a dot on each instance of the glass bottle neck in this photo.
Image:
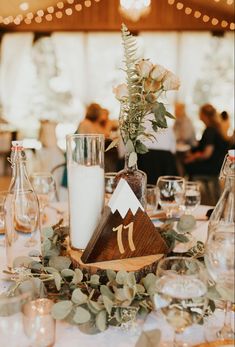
(20, 178)
(127, 166)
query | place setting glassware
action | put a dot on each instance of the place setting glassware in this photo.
(151, 198)
(171, 194)
(45, 188)
(181, 294)
(192, 197)
(220, 264)
(26, 321)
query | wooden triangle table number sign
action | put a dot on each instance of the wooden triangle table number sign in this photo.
(125, 230)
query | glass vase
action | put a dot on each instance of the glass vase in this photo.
(136, 179)
(85, 164)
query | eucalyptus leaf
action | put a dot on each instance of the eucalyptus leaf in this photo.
(61, 309)
(108, 304)
(120, 294)
(105, 291)
(57, 279)
(81, 315)
(78, 297)
(111, 275)
(67, 273)
(121, 277)
(95, 306)
(129, 146)
(101, 320)
(131, 281)
(112, 144)
(129, 292)
(50, 269)
(46, 246)
(169, 115)
(78, 276)
(22, 261)
(140, 147)
(60, 263)
(149, 281)
(132, 159)
(47, 232)
(140, 289)
(95, 279)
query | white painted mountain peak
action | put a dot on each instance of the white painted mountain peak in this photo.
(123, 199)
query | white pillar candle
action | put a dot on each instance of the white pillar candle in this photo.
(86, 199)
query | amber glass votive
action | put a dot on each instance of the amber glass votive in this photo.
(39, 325)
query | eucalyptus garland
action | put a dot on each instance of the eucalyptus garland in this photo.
(93, 302)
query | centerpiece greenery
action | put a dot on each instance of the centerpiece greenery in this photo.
(139, 98)
(93, 302)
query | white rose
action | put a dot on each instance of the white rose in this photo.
(158, 72)
(143, 68)
(121, 91)
(151, 85)
(171, 81)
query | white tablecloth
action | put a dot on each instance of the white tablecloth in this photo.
(70, 336)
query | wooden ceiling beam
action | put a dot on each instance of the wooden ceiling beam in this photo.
(104, 16)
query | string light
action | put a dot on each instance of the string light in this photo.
(40, 14)
(69, 11)
(205, 18)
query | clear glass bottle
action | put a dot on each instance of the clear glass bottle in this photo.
(224, 211)
(136, 179)
(21, 210)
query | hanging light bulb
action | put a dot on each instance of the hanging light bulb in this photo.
(134, 9)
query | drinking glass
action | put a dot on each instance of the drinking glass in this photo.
(85, 163)
(220, 263)
(45, 188)
(39, 325)
(11, 320)
(2, 218)
(110, 184)
(181, 293)
(171, 193)
(192, 197)
(151, 198)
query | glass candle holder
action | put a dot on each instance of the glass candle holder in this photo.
(11, 320)
(85, 164)
(39, 325)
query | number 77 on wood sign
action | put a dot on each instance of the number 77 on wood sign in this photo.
(125, 230)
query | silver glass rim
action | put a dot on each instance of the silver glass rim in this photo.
(70, 136)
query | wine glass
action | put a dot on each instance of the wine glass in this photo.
(192, 197)
(220, 263)
(45, 188)
(171, 193)
(181, 293)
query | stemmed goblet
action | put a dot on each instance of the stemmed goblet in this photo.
(181, 293)
(171, 193)
(45, 188)
(220, 263)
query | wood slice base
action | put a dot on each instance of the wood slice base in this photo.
(141, 265)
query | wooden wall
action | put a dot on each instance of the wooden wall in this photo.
(104, 16)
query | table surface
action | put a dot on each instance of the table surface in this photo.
(67, 335)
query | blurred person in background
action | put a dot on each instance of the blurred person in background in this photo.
(91, 123)
(160, 159)
(108, 125)
(183, 126)
(208, 156)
